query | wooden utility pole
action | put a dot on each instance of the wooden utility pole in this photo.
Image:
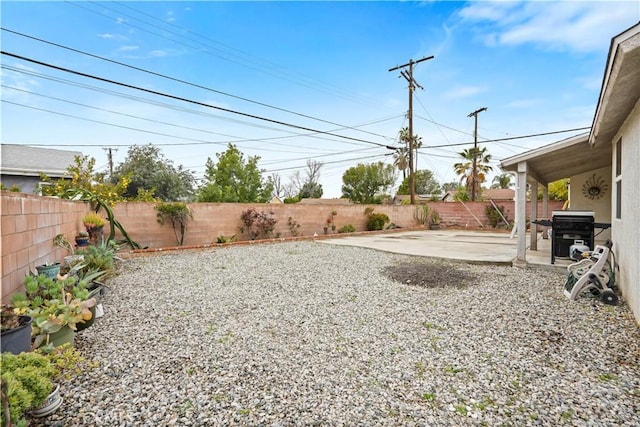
(474, 171)
(408, 76)
(110, 157)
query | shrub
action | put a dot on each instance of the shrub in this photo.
(377, 221)
(224, 239)
(293, 226)
(493, 216)
(179, 214)
(258, 224)
(347, 228)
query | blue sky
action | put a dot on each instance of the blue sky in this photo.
(536, 66)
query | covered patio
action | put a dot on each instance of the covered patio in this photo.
(572, 158)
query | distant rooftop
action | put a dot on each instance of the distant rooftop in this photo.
(32, 161)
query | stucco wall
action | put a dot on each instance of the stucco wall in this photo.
(601, 207)
(626, 231)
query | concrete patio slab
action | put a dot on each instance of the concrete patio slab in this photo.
(485, 247)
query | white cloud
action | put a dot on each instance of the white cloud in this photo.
(106, 36)
(158, 53)
(128, 48)
(460, 92)
(564, 25)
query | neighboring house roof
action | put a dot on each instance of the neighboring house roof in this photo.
(561, 159)
(277, 200)
(419, 198)
(620, 86)
(31, 161)
(310, 201)
(498, 194)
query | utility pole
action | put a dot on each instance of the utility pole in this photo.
(408, 76)
(110, 157)
(474, 172)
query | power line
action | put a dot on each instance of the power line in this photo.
(509, 139)
(186, 110)
(270, 68)
(186, 82)
(179, 98)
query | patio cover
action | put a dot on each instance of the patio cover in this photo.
(562, 159)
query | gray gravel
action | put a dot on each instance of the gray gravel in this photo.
(313, 334)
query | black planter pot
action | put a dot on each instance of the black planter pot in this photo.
(82, 241)
(18, 339)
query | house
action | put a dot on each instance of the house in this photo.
(498, 194)
(21, 165)
(602, 166)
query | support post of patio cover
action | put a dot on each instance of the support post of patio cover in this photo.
(521, 215)
(533, 244)
(545, 210)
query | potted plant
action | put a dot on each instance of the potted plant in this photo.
(434, 221)
(94, 224)
(16, 331)
(29, 383)
(61, 241)
(56, 306)
(82, 239)
(48, 269)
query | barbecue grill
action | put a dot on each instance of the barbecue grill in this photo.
(570, 228)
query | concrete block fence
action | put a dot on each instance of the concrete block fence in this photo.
(29, 224)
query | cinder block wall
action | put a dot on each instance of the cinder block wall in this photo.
(211, 220)
(29, 224)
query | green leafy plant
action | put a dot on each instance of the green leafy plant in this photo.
(28, 378)
(179, 214)
(376, 221)
(258, 224)
(493, 215)
(53, 304)
(347, 228)
(61, 241)
(224, 239)
(99, 203)
(99, 257)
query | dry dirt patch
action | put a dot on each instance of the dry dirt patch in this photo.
(429, 274)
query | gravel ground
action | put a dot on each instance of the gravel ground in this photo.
(306, 333)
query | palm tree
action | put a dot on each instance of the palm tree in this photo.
(502, 181)
(465, 170)
(401, 160)
(417, 143)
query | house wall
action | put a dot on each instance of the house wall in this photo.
(626, 231)
(27, 184)
(601, 207)
(28, 224)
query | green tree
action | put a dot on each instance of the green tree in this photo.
(367, 183)
(465, 170)
(424, 182)
(502, 181)
(150, 171)
(310, 187)
(82, 176)
(558, 190)
(234, 180)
